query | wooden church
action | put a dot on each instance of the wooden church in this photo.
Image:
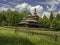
(30, 20)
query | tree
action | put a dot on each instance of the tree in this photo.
(51, 19)
(25, 13)
(57, 24)
(44, 22)
(11, 18)
(54, 23)
(51, 16)
(2, 18)
(17, 17)
(58, 16)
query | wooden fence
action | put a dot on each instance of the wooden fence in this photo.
(33, 33)
(36, 33)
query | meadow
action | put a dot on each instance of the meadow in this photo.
(18, 36)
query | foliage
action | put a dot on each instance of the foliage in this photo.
(51, 16)
(58, 17)
(11, 18)
(58, 21)
(51, 22)
(44, 22)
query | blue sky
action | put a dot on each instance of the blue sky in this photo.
(42, 6)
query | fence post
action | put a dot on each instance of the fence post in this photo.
(55, 37)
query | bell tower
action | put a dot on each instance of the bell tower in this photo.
(35, 13)
(35, 16)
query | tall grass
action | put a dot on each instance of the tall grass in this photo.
(10, 37)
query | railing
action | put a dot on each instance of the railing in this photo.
(32, 32)
(55, 36)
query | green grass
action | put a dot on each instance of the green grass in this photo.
(8, 36)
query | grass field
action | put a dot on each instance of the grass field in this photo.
(8, 36)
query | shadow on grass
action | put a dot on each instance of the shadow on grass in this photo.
(6, 40)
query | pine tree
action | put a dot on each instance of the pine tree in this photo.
(58, 17)
(44, 22)
(51, 16)
(51, 19)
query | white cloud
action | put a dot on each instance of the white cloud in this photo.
(59, 12)
(22, 6)
(53, 4)
(58, 0)
(3, 8)
(50, 2)
(52, 8)
(27, 6)
(46, 13)
(38, 8)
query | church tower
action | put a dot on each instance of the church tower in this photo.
(35, 16)
(35, 13)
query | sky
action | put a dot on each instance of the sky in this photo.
(43, 7)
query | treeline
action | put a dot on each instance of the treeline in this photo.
(52, 22)
(11, 18)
